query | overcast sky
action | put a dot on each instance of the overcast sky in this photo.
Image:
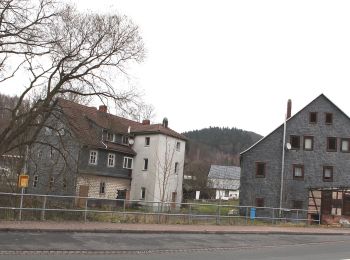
(236, 63)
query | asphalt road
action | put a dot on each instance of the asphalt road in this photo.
(108, 246)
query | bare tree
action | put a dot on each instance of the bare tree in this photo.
(63, 53)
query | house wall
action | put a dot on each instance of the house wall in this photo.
(152, 179)
(269, 150)
(112, 185)
(232, 194)
(101, 168)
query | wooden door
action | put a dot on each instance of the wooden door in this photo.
(83, 192)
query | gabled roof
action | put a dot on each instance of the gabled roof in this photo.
(81, 118)
(224, 172)
(321, 95)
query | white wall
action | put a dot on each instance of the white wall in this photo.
(162, 150)
(233, 194)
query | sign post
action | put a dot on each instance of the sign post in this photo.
(22, 183)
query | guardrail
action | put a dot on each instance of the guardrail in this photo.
(65, 208)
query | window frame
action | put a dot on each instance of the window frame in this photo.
(302, 171)
(178, 146)
(125, 162)
(259, 202)
(143, 193)
(108, 160)
(257, 175)
(147, 141)
(109, 134)
(310, 116)
(336, 144)
(326, 117)
(341, 145)
(35, 180)
(125, 139)
(96, 157)
(291, 142)
(327, 179)
(145, 164)
(176, 168)
(102, 190)
(312, 142)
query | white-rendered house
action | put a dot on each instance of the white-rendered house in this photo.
(158, 166)
(225, 180)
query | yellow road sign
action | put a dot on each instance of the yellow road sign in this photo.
(23, 181)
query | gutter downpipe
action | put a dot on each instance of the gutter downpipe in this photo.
(282, 170)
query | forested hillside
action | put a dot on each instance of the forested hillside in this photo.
(219, 145)
(213, 145)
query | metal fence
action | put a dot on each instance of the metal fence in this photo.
(74, 208)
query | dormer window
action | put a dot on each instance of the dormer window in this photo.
(125, 139)
(110, 137)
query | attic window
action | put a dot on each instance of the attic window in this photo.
(110, 137)
(313, 117)
(295, 142)
(260, 169)
(329, 118)
(125, 139)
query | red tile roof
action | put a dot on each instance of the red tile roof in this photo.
(81, 118)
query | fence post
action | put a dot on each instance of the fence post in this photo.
(246, 215)
(297, 216)
(43, 209)
(124, 210)
(319, 218)
(21, 205)
(190, 214)
(273, 216)
(85, 211)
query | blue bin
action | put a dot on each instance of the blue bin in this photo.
(252, 213)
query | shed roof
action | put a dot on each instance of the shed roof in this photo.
(224, 172)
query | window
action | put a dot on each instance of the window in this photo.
(102, 187)
(227, 193)
(344, 147)
(331, 144)
(51, 183)
(93, 157)
(259, 202)
(295, 142)
(329, 118)
(327, 173)
(297, 204)
(110, 137)
(35, 181)
(145, 164)
(125, 139)
(313, 117)
(260, 169)
(178, 146)
(147, 141)
(308, 143)
(298, 172)
(176, 168)
(127, 164)
(111, 160)
(143, 193)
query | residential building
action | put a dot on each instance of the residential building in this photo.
(305, 167)
(225, 181)
(90, 152)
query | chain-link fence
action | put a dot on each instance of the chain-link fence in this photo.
(74, 208)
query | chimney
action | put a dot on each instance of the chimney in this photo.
(289, 109)
(165, 122)
(103, 108)
(146, 122)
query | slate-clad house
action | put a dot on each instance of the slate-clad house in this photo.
(316, 173)
(225, 181)
(100, 155)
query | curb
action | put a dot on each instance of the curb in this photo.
(133, 231)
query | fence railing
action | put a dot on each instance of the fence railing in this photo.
(66, 208)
